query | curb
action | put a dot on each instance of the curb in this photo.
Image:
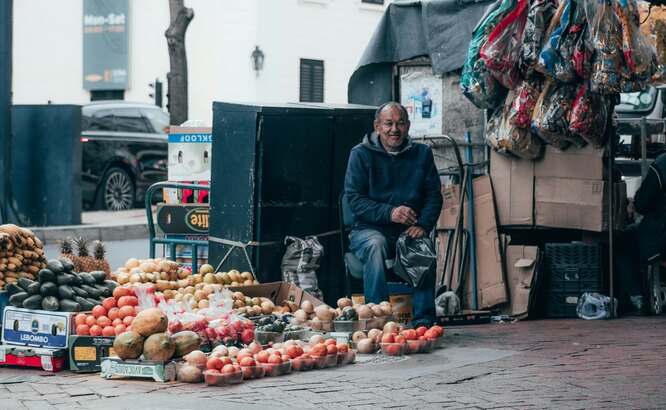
(102, 232)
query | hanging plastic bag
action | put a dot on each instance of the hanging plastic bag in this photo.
(300, 262)
(556, 58)
(501, 50)
(582, 54)
(534, 35)
(640, 60)
(551, 114)
(588, 116)
(475, 81)
(415, 259)
(525, 96)
(517, 141)
(606, 34)
(491, 133)
(660, 34)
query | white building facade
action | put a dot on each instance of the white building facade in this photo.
(292, 34)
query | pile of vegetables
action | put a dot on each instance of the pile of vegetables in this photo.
(113, 317)
(21, 254)
(59, 288)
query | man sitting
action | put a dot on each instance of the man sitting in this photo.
(392, 186)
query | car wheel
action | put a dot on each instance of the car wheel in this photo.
(117, 190)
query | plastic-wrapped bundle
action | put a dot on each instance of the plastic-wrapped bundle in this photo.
(525, 97)
(551, 115)
(491, 133)
(534, 35)
(475, 81)
(640, 61)
(501, 50)
(582, 54)
(660, 33)
(606, 34)
(507, 139)
(588, 116)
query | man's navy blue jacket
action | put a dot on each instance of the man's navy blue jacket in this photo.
(377, 182)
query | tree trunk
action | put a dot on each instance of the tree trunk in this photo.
(175, 34)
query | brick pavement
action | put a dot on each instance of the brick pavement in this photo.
(560, 364)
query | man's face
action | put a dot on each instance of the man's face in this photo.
(392, 128)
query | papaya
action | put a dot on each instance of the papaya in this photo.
(100, 276)
(158, 346)
(67, 264)
(149, 322)
(87, 279)
(46, 275)
(186, 341)
(128, 345)
(55, 266)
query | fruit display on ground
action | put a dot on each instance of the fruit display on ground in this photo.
(21, 254)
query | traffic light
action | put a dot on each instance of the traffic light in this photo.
(168, 93)
(157, 92)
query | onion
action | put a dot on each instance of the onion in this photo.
(375, 334)
(196, 357)
(233, 351)
(391, 327)
(358, 336)
(343, 302)
(255, 347)
(323, 313)
(364, 312)
(307, 306)
(314, 339)
(365, 346)
(189, 374)
(301, 315)
(222, 349)
(377, 311)
(388, 310)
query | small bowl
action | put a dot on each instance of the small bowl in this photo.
(300, 364)
(393, 349)
(348, 326)
(331, 360)
(222, 379)
(438, 342)
(265, 338)
(342, 359)
(277, 369)
(253, 372)
(320, 362)
(428, 345)
(297, 335)
(415, 346)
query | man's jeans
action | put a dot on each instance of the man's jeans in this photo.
(373, 249)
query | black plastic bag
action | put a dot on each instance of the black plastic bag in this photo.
(415, 258)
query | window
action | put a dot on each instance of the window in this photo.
(101, 120)
(130, 120)
(100, 95)
(373, 1)
(158, 119)
(312, 81)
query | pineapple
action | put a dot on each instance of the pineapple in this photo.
(100, 261)
(65, 245)
(86, 263)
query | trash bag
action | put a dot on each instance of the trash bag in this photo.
(476, 82)
(300, 262)
(415, 258)
(501, 50)
(593, 305)
(534, 35)
(588, 117)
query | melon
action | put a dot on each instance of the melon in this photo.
(186, 341)
(150, 321)
(158, 346)
(128, 345)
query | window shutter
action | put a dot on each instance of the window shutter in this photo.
(312, 81)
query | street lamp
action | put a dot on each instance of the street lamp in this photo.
(258, 59)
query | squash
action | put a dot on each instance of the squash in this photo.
(158, 346)
(185, 341)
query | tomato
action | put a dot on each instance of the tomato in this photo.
(388, 338)
(400, 339)
(262, 357)
(275, 359)
(80, 319)
(125, 311)
(104, 321)
(109, 303)
(120, 291)
(421, 330)
(330, 342)
(95, 330)
(108, 331)
(91, 321)
(119, 329)
(127, 320)
(83, 329)
(113, 313)
(228, 368)
(247, 361)
(98, 311)
(342, 347)
(331, 349)
(214, 363)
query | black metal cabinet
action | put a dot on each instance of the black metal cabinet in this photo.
(277, 171)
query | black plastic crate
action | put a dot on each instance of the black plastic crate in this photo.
(561, 304)
(572, 255)
(574, 279)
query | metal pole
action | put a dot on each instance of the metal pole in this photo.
(470, 196)
(6, 17)
(644, 164)
(611, 222)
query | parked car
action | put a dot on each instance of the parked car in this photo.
(124, 153)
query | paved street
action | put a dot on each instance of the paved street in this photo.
(560, 364)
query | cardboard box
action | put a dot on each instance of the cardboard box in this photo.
(86, 352)
(400, 298)
(51, 360)
(491, 288)
(513, 188)
(578, 204)
(150, 369)
(278, 292)
(39, 328)
(190, 150)
(521, 272)
(183, 218)
(575, 163)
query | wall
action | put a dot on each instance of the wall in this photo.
(219, 41)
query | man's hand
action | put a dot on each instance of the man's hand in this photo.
(403, 215)
(416, 232)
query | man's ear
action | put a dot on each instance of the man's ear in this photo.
(376, 125)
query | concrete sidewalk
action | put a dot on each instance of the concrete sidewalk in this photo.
(103, 225)
(538, 364)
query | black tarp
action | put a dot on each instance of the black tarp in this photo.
(439, 29)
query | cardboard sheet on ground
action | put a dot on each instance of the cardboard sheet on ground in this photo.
(521, 270)
(491, 287)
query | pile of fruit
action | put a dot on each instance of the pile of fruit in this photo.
(21, 254)
(113, 317)
(322, 317)
(165, 274)
(394, 340)
(60, 288)
(84, 262)
(148, 339)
